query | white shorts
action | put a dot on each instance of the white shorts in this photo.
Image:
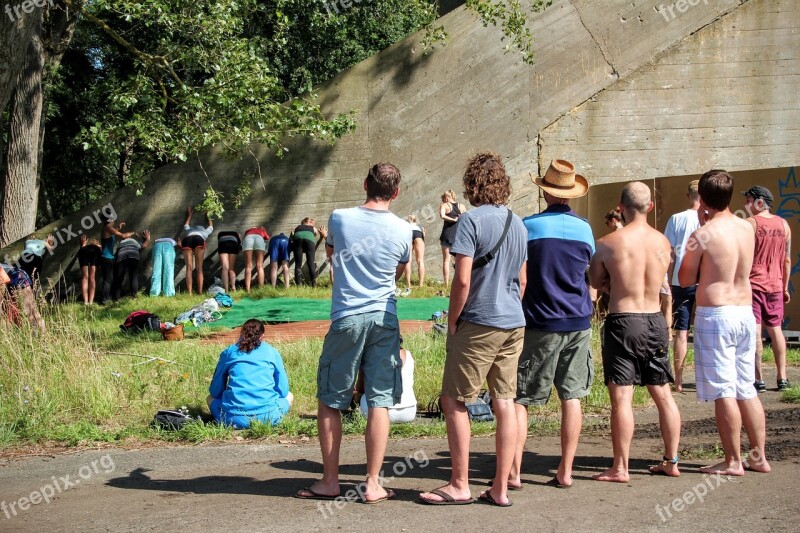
(254, 242)
(724, 352)
(397, 415)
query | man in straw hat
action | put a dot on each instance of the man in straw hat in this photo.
(485, 327)
(631, 264)
(558, 312)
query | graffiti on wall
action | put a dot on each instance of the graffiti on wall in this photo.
(789, 209)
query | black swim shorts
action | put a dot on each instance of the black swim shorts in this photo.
(193, 241)
(636, 349)
(89, 255)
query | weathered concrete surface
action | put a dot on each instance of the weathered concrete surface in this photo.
(602, 67)
(725, 97)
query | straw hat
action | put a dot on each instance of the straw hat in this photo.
(561, 181)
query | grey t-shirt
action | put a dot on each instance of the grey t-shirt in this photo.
(494, 292)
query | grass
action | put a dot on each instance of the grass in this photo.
(85, 382)
(790, 395)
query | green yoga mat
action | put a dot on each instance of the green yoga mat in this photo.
(298, 309)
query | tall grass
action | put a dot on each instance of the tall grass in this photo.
(85, 381)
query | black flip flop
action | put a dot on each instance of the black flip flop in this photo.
(487, 497)
(446, 499)
(510, 487)
(389, 496)
(313, 495)
(554, 483)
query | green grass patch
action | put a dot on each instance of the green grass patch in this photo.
(791, 395)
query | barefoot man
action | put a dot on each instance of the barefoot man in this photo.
(630, 265)
(718, 259)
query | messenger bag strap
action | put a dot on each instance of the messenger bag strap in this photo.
(485, 259)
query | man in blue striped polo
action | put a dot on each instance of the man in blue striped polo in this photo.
(557, 309)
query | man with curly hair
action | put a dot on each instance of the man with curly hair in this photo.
(485, 327)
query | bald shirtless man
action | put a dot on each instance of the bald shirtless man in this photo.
(630, 265)
(718, 259)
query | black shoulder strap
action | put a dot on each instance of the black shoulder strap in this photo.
(485, 259)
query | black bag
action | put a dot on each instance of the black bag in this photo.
(172, 420)
(139, 321)
(480, 410)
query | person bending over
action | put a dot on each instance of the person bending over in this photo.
(88, 259)
(230, 244)
(194, 249)
(254, 246)
(250, 382)
(128, 255)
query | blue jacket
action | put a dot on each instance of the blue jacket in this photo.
(249, 384)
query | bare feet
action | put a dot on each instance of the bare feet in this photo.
(613, 475)
(666, 468)
(724, 468)
(457, 495)
(756, 462)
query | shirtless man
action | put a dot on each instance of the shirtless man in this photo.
(630, 265)
(719, 256)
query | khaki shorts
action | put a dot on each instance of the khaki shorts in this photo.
(478, 353)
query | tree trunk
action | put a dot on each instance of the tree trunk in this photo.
(15, 35)
(125, 161)
(22, 159)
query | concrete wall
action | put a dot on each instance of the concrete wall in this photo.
(601, 67)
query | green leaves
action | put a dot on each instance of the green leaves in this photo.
(512, 19)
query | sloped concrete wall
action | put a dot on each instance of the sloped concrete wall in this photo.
(725, 97)
(428, 112)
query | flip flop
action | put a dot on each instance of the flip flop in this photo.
(389, 495)
(313, 495)
(510, 487)
(487, 497)
(554, 483)
(446, 499)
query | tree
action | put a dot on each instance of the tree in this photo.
(173, 77)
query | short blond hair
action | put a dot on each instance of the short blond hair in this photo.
(412, 219)
(450, 193)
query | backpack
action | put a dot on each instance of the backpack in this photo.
(172, 420)
(139, 321)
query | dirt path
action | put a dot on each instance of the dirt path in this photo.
(249, 487)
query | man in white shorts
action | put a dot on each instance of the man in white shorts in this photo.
(718, 259)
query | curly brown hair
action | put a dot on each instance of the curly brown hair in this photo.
(486, 181)
(250, 339)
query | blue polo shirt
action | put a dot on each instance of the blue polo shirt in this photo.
(560, 246)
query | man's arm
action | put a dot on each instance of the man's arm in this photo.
(689, 273)
(459, 290)
(400, 270)
(787, 264)
(599, 277)
(523, 278)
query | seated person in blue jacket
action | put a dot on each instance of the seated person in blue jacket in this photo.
(250, 382)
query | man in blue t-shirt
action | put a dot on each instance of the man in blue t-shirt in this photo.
(679, 228)
(368, 248)
(558, 309)
(485, 327)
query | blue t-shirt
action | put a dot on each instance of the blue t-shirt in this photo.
(494, 291)
(367, 247)
(249, 384)
(560, 246)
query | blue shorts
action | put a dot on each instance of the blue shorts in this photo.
(270, 416)
(370, 341)
(279, 248)
(682, 303)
